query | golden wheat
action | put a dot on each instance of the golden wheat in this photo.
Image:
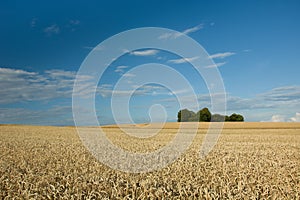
(250, 161)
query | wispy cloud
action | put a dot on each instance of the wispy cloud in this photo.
(121, 69)
(278, 118)
(193, 29)
(284, 118)
(24, 86)
(282, 94)
(33, 22)
(73, 24)
(10, 73)
(129, 75)
(53, 29)
(281, 98)
(60, 74)
(296, 118)
(215, 65)
(101, 48)
(149, 52)
(183, 60)
(106, 90)
(222, 55)
(282, 101)
(185, 32)
(21, 86)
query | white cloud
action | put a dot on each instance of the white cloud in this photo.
(160, 58)
(53, 29)
(183, 60)
(128, 75)
(168, 35)
(283, 101)
(149, 52)
(8, 72)
(60, 74)
(121, 69)
(222, 55)
(216, 65)
(178, 34)
(277, 98)
(296, 118)
(286, 94)
(284, 118)
(33, 22)
(278, 118)
(74, 22)
(20, 85)
(193, 29)
(107, 90)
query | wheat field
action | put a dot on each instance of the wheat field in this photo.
(250, 161)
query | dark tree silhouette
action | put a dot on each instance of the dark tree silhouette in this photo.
(204, 115)
(185, 115)
(236, 118)
(218, 118)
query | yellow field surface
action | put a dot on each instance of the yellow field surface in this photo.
(250, 161)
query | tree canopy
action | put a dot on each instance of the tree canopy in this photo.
(204, 115)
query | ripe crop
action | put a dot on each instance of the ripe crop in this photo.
(250, 161)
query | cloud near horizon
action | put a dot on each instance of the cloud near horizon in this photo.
(284, 118)
(282, 99)
(21, 86)
(296, 118)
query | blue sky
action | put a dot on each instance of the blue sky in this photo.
(255, 45)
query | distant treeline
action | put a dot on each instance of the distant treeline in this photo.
(204, 115)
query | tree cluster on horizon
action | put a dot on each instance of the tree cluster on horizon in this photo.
(204, 115)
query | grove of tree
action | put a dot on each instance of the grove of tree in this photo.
(204, 115)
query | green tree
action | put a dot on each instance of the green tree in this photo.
(204, 115)
(217, 118)
(227, 118)
(194, 117)
(185, 115)
(179, 116)
(236, 118)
